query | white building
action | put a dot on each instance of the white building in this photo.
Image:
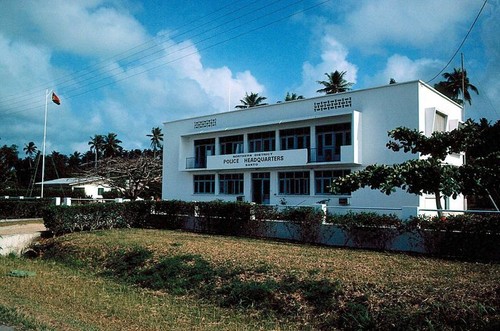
(288, 152)
(91, 187)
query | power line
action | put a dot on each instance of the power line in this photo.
(462, 43)
(111, 75)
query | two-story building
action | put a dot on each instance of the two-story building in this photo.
(289, 152)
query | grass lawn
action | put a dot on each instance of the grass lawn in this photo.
(186, 281)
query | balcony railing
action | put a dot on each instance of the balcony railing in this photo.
(327, 154)
(194, 163)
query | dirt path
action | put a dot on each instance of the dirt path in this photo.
(22, 228)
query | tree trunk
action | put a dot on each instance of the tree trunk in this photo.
(439, 207)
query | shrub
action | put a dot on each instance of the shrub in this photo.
(468, 236)
(15, 209)
(368, 229)
(170, 214)
(307, 220)
(228, 218)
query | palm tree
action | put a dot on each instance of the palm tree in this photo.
(293, 96)
(251, 100)
(75, 160)
(454, 86)
(96, 144)
(112, 145)
(30, 149)
(156, 139)
(336, 83)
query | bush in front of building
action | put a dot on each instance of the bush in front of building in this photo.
(219, 217)
(467, 236)
(368, 229)
(304, 222)
(88, 217)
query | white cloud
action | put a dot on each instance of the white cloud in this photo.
(86, 28)
(371, 25)
(403, 69)
(333, 57)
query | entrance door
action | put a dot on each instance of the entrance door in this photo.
(261, 184)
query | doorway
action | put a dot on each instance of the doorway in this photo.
(261, 184)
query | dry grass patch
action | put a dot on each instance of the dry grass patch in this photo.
(375, 288)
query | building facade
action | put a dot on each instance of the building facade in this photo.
(288, 153)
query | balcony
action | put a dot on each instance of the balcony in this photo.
(193, 163)
(346, 155)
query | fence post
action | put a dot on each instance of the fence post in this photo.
(57, 201)
(323, 208)
(409, 211)
(67, 202)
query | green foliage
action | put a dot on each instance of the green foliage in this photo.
(16, 209)
(12, 317)
(368, 229)
(229, 218)
(307, 219)
(472, 237)
(67, 219)
(430, 175)
(170, 214)
(126, 262)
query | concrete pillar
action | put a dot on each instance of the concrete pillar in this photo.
(67, 202)
(57, 201)
(119, 200)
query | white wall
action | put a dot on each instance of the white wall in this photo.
(377, 111)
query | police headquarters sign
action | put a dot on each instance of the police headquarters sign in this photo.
(294, 157)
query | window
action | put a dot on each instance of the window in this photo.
(261, 142)
(231, 184)
(204, 184)
(323, 179)
(439, 122)
(100, 190)
(202, 149)
(231, 145)
(329, 139)
(294, 183)
(294, 138)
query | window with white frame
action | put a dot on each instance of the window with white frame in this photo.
(231, 183)
(231, 144)
(261, 142)
(440, 121)
(204, 184)
(295, 138)
(323, 179)
(294, 183)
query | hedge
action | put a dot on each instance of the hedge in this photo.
(470, 236)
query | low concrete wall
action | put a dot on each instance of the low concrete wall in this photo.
(17, 243)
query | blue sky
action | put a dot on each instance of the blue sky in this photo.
(128, 66)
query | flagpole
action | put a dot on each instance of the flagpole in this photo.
(44, 138)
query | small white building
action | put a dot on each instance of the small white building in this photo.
(92, 187)
(288, 153)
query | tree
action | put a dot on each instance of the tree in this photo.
(429, 175)
(30, 149)
(453, 87)
(292, 97)
(96, 144)
(112, 145)
(336, 83)
(8, 160)
(252, 100)
(75, 160)
(156, 139)
(133, 177)
(392, 81)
